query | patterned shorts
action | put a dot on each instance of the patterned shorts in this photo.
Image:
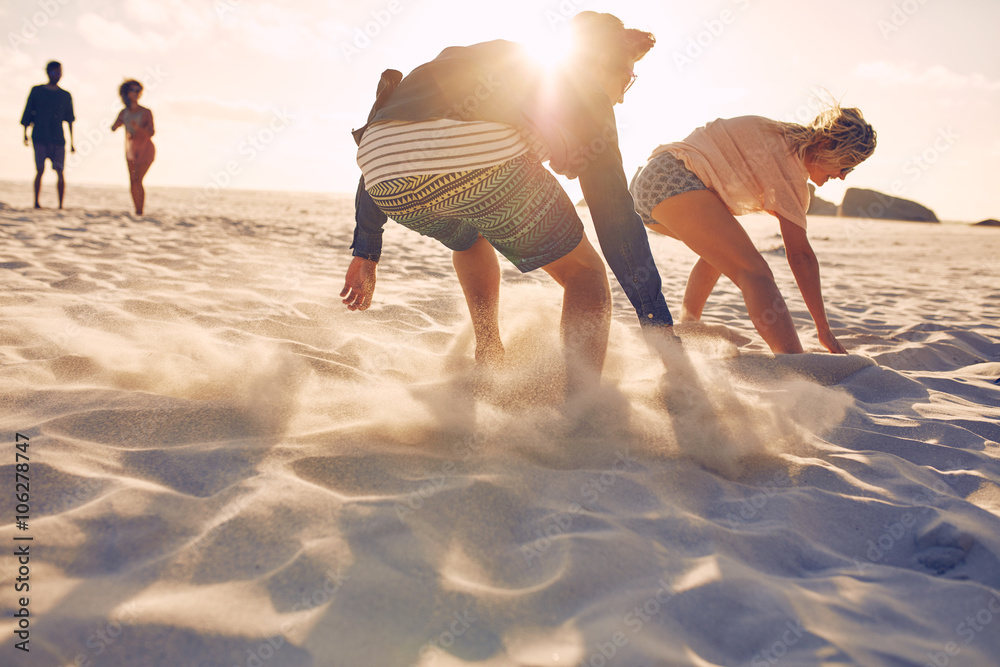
(518, 206)
(661, 178)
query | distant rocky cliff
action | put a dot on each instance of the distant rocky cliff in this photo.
(819, 206)
(860, 203)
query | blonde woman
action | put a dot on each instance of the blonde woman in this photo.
(693, 189)
(139, 149)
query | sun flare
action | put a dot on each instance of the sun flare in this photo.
(549, 50)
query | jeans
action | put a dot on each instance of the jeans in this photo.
(622, 235)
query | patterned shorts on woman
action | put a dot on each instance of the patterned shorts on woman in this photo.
(661, 178)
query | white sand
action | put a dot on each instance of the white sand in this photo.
(229, 468)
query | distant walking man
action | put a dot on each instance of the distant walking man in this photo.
(48, 106)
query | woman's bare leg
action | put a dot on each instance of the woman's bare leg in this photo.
(479, 274)
(700, 284)
(136, 172)
(138, 195)
(702, 221)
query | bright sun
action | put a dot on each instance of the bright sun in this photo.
(549, 49)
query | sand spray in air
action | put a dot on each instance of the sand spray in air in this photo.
(683, 400)
(723, 422)
(186, 361)
(423, 390)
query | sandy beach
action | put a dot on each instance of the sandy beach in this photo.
(229, 468)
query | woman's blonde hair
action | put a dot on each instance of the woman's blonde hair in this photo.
(837, 136)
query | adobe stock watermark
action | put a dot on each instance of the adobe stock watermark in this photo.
(415, 499)
(34, 24)
(805, 112)
(914, 167)
(266, 651)
(700, 42)
(987, 269)
(254, 143)
(968, 629)
(591, 491)
(465, 109)
(634, 621)
(87, 141)
(578, 156)
(446, 638)
(103, 638)
(894, 532)
(80, 494)
(779, 648)
(563, 12)
(364, 34)
(223, 7)
(777, 310)
(68, 333)
(917, 165)
(899, 16)
(750, 507)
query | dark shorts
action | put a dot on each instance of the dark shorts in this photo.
(661, 178)
(54, 152)
(517, 206)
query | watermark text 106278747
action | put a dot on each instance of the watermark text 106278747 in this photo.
(22, 553)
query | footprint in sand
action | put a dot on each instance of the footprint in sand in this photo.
(942, 547)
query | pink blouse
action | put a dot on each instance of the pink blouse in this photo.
(747, 162)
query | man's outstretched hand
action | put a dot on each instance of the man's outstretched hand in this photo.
(359, 285)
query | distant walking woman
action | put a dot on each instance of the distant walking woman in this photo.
(139, 149)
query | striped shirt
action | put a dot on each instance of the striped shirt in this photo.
(396, 149)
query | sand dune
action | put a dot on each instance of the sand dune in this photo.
(228, 468)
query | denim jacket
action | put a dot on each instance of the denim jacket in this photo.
(572, 115)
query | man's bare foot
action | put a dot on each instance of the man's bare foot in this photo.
(490, 357)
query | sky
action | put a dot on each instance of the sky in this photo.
(262, 95)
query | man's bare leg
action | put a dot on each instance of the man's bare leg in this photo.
(478, 272)
(586, 313)
(38, 187)
(60, 186)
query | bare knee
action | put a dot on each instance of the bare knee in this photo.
(582, 274)
(757, 272)
(589, 282)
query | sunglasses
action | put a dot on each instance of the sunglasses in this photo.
(632, 77)
(845, 171)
